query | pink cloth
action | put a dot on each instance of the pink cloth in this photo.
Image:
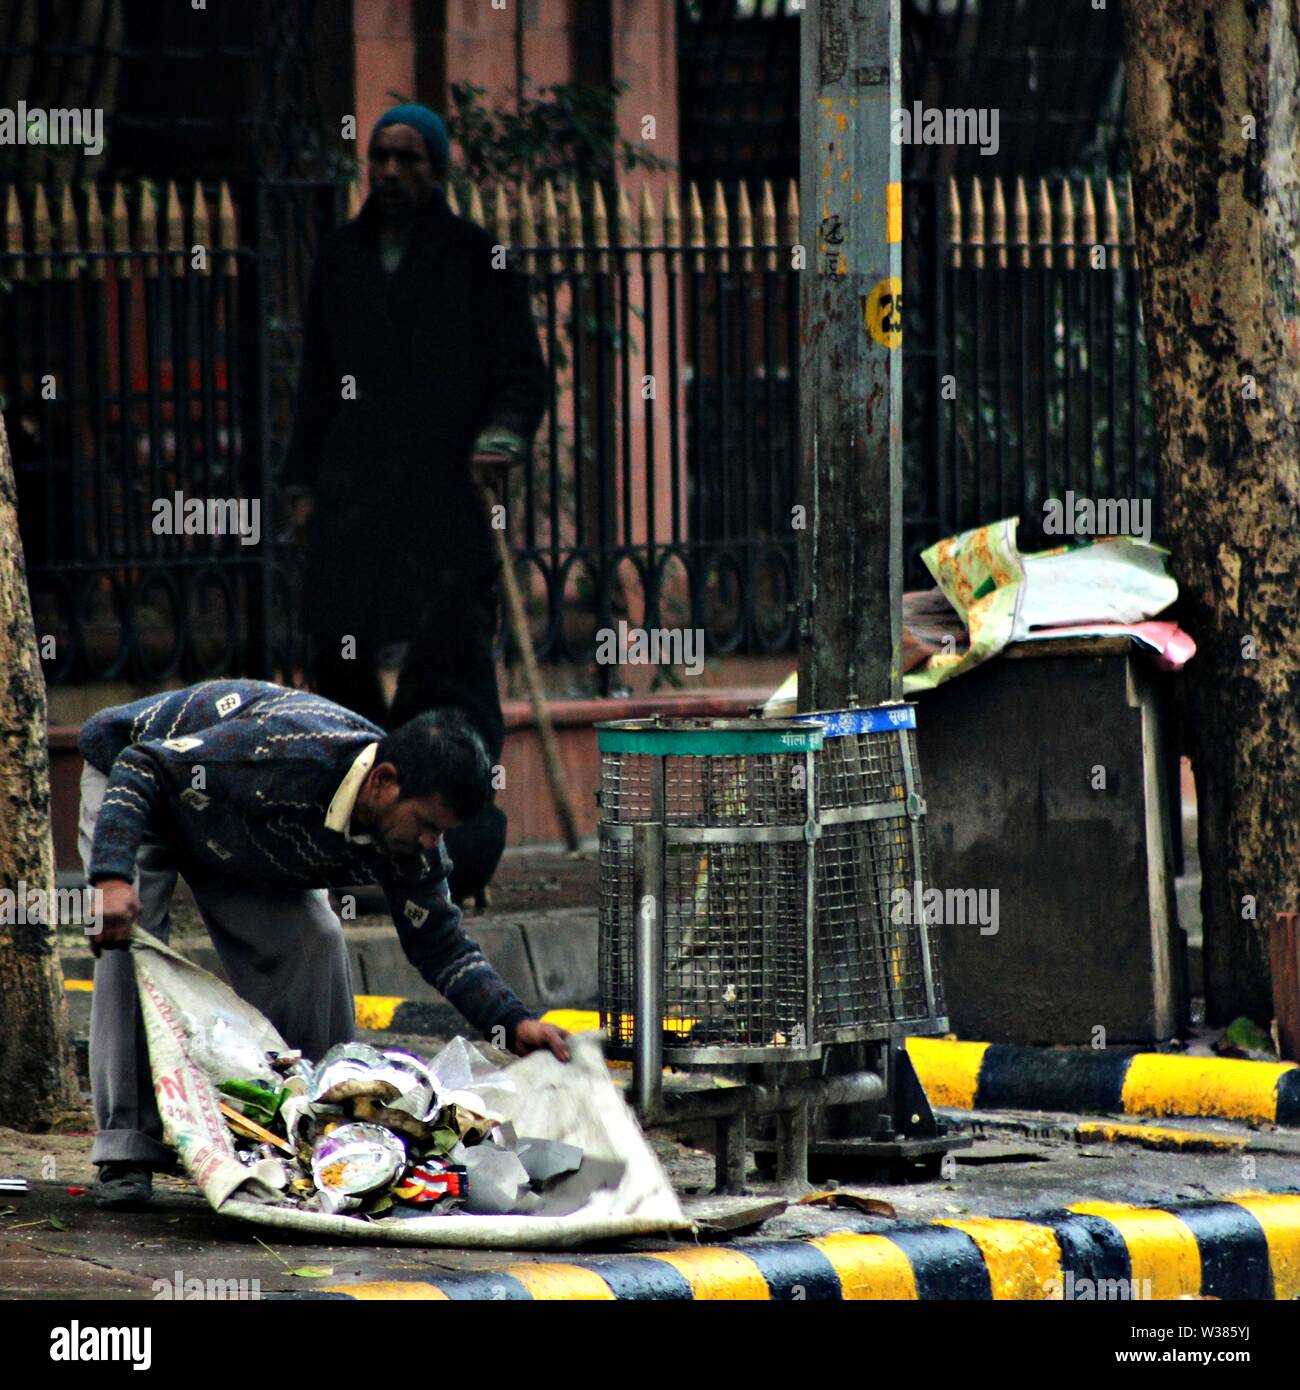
(1170, 647)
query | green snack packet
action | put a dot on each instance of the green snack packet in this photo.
(256, 1099)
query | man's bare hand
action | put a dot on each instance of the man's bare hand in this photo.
(120, 910)
(532, 1034)
(490, 470)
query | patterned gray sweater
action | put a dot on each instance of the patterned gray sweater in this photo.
(238, 777)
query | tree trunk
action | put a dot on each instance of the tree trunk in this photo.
(1213, 99)
(37, 1078)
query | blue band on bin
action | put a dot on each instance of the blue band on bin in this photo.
(879, 720)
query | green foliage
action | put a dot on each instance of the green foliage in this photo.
(566, 132)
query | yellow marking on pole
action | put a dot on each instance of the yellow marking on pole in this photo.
(868, 1266)
(1279, 1215)
(558, 1283)
(1160, 1247)
(375, 1011)
(78, 985)
(949, 1071)
(387, 1290)
(1022, 1258)
(893, 213)
(884, 312)
(717, 1273)
(1156, 1084)
(1156, 1136)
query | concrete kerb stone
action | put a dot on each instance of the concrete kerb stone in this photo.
(548, 959)
(563, 949)
(1246, 1247)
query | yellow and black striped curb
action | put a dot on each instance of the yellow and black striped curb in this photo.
(990, 1076)
(1243, 1247)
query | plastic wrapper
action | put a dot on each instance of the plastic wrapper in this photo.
(433, 1181)
(223, 1045)
(464, 1076)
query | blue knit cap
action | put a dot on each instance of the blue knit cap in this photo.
(428, 123)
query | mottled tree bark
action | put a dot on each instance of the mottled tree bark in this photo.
(1214, 99)
(37, 1077)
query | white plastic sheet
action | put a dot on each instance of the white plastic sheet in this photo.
(574, 1103)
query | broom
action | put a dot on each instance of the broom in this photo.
(532, 678)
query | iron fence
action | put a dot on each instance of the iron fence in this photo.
(1025, 367)
(125, 380)
(665, 473)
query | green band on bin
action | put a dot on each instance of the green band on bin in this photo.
(704, 743)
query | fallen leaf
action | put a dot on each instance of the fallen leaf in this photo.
(743, 1219)
(869, 1206)
(57, 1224)
(313, 1271)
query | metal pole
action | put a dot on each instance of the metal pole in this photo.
(850, 382)
(648, 968)
(792, 1149)
(730, 1163)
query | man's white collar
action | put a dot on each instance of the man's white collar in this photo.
(339, 816)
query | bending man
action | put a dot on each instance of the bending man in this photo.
(263, 798)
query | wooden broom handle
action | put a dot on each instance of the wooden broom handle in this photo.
(532, 678)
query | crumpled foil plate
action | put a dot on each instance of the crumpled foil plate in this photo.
(357, 1159)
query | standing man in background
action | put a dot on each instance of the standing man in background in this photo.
(422, 378)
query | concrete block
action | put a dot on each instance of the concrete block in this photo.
(380, 966)
(563, 947)
(1087, 932)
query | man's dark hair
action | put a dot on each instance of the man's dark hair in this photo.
(440, 752)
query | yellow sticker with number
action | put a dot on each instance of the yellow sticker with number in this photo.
(884, 312)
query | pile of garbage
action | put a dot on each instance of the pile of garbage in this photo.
(478, 1150)
(375, 1133)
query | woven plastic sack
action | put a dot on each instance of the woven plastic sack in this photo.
(201, 1033)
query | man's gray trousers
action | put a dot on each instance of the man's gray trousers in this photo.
(283, 952)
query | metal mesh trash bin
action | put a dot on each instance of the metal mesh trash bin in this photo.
(708, 825)
(749, 912)
(877, 957)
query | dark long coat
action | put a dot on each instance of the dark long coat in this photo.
(434, 353)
